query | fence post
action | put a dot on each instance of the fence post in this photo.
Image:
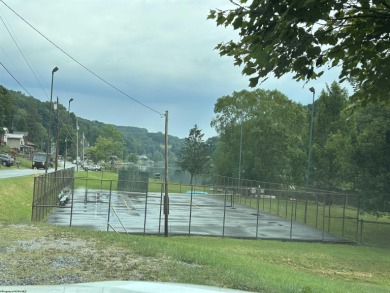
(86, 189)
(41, 190)
(357, 222)
(146, 209)
(323, 218)
(71, 207)
(224, 215)
(42, 200)
(291, 220)
(258, 212)
(161, 204)
(305, 214)
(270, 203)
(296, 206)
(286, 200)
(232, 193)
(316, 210)
(109, 207)
(263, 198)
(33, 212)
(329, 214)
(189, 223)
(343, 224)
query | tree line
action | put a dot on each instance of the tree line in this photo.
(264, 136)
(28, 114)
(351, 134)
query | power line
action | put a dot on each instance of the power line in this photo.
(86, 68)
(20, 51)
(15, 79)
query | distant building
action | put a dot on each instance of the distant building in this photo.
(144, 163)
(17, 140)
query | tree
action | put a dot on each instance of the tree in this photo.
(111, 132)
(133, 158)
(371, 157)
(273, 133)
(193, 156)
(6, 108)
(303, 37)
(332, 131)
(109, 143)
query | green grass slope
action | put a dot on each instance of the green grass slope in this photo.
(33, 253)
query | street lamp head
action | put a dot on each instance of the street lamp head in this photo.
(312, 90)
(70, 100)
(55, 69)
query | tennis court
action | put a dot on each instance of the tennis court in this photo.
(189, 214)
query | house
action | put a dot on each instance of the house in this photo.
(16, 140)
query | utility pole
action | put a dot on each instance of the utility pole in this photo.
(82, 158)
(66, 139)
(311, 138)
(77, 145)
(239, 166)
(48, 147)
(58, 135)
(166, 197)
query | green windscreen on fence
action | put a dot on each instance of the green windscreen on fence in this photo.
(133, 180)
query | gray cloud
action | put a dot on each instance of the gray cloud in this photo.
(159, 52)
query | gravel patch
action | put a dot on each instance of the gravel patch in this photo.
(32, 255)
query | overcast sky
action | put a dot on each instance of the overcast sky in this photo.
(160, 53)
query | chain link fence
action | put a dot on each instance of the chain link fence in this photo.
(47, 192)
(228, 208)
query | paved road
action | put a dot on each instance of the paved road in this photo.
(10, 172)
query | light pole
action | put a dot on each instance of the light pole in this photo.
(66, 139)
(311, 138)
(48, 147)
(66, 150)
(239, 162)
(70, 100)
(77, 145)
(82, 156)
(57, 107)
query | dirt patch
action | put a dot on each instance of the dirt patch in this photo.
(355, 275)
(32, 255)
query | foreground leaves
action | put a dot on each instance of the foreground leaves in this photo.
(308, 37)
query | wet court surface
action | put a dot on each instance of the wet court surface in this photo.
(206, 215)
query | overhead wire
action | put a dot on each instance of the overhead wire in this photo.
(24, 57)
(15, 79)
(83, 66)
(69, 133)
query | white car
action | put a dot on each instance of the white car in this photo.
(95, 168)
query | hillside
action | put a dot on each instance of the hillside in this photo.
(28, 114)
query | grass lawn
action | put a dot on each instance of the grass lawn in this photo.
(259, 266)
(29, 252)
(101, 180)
(16, 199)
(329, 218)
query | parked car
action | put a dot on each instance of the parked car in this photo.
(6, 160)
(92, 167)
(95, 168)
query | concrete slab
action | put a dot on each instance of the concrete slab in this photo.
(205, 215)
